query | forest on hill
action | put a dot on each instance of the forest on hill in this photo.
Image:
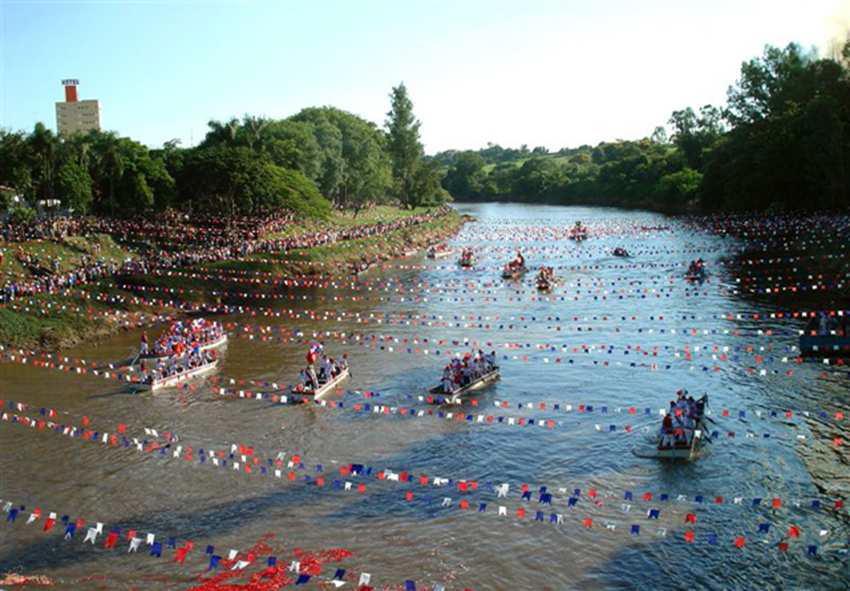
(782, 141)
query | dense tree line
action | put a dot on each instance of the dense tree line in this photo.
(782, 141)
(318, 158)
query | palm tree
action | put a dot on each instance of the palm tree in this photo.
(221, 133)
(254, 128)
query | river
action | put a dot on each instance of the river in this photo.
(396, 539)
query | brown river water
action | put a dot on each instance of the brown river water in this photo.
(396, 540)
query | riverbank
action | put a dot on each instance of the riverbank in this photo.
(55, 321)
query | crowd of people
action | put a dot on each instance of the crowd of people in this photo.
(51, 282)
(463, 372)
(680, 422)
(311, 378)
(175, 241)
(181, 338)
(171, 366)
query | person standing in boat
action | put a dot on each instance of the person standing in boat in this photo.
(448, 380)
(666, 432)
(144, 347)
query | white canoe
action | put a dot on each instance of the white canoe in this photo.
(327, 388)
(440, 254)
(179, 378)
(455, 397)
(219, 342)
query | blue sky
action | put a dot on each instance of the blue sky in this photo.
(559, 73)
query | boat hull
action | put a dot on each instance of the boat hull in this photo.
(176, 379)
(824, 346)
(515, 274)
(327, 389)
(686, 453)
(440, 254)
(455, 397)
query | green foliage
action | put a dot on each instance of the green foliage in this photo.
(74, 187)
(403, 144)
(789, 146)
(235, 180)
(782, 141)
(21, 214)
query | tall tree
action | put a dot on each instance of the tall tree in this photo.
(404, 147)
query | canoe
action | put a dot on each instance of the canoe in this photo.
(327, 388)
(698, 277)
(466, 263)
(439, 254)
(219, 342)
(683, 451)
(516, 274)
(824, 346)
(455, 397)
(179, 378)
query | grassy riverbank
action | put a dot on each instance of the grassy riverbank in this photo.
(51, 322)
(336, 258)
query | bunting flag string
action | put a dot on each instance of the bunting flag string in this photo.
(737, 264)
(295, 566)
(759, 369)
(820, 541)
(485, 322)
(248, 460)
(489, 296)
(472, 286)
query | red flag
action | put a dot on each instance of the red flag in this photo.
(689, 536)
(740, 542)
(111, 539)
(49, 523)
(690, 518)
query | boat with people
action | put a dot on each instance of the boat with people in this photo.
(696, 271)
(182, 337)
(439, 251)
(467, 258)
(545, 279)
(515, 268)
(683, 429)
(462, 376)
(621, 252)
(173, 371)
(320, 383)
(826, 335)
(578, 232)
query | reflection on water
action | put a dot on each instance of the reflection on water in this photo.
(397, 540)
